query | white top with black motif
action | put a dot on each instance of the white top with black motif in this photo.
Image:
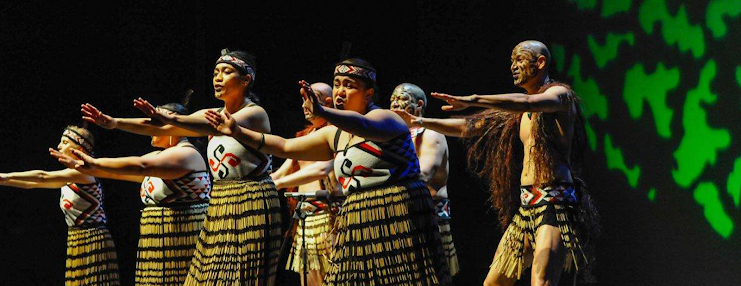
(193, 188)
(82, 204)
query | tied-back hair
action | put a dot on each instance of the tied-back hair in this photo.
(496, 154)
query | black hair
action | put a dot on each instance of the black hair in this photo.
(367, 83)
(250, 60)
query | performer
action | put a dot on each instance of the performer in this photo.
(175, 187)
(551, 225)
(387, 230)
(432, 150)
(241, 236)
(308, 177)
(91, 254)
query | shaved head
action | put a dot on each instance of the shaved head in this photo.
(322, 88)
(536, 48)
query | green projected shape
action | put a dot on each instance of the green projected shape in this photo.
(734, 183)
(585, 4)
(612, 7)
(615, 161)
(652, 194)
(701, 143)
(594, 102)
(653, 88)
(591, 135)
(706, 194)
(608, 52)
(717, 9)
(673, 29)
(559, 56)
(738, 75)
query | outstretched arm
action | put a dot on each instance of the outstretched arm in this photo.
(283, 171)
(454, 127)
(44, 179)
(84, 168)
(141, 126)
(376, 125)
(312, 147)
(551, 100)
(313, 172)
(168, 164)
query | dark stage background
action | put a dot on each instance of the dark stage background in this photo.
(665, 174)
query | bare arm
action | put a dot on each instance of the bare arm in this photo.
(31, 185)
(141, 126)
(171, 163)
(284, 170)
(449, 127)
(551, 100)
(313, 172)
(39, 176)
(312, 147)
(430, 154)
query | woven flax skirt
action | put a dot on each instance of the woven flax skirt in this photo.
(91, 257)
(317, 230)
(524, 225)
(448, 247)
(241, 236)
(388, 236)
(167, 242)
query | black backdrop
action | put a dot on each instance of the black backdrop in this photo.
(55, 57)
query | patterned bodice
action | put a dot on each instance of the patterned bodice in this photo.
(370, 164)
(82, 204)
(191, 188)
(229, 159)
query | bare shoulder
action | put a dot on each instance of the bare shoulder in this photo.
(203, 111)
(434, 137)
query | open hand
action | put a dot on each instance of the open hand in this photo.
(150, 111)
(222, 123)
(312, 102)
(93, 115)
(410, 120)
(455, 103)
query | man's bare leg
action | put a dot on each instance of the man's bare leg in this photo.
(495, 278)
(549, 257)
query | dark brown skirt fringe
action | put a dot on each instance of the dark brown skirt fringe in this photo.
(448, 246)
(317, 250)
(524, 225)
(388, 236)
(91, 257)
(240, 240)
(167, 241)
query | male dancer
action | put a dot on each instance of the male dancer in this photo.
(432, 151)
(552, 218)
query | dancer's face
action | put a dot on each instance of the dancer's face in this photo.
(228, 83)
(401, 99)
(66, 145)
(523, 67)
(349, 93)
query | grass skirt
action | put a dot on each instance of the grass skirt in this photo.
(91, 257)
(317, 230)
(448, 246)
(167, 241)
(388, 236)
(240, 240)
(524, 225)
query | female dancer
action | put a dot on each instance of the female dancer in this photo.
(240, 239)
(386, 231)
(308, 176)
(175, 188)
(91, 254)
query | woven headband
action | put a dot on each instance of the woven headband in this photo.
(237, 63)
(78, 139)
(353, 70)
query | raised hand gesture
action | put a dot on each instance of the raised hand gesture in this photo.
(455, 103)
(93, 115)
(312, 102)
(222, 123)
(150, 111)
(85, 163)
